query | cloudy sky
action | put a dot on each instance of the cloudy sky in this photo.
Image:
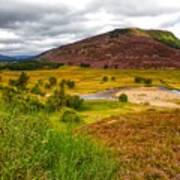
(33, 26)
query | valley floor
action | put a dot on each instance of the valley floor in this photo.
(138, 139)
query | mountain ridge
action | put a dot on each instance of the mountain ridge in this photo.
(121, 48)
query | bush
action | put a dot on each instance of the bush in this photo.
(113, 78)
(145, 81)
(20, 101)
(105, 79)
(84, 65)
(70, 84)
(70, 116)
(123, 98)
(148, 82)
(36, 90)
(52, 81)
(47, 86)
(106, 66)
(8, 94)
(21, 82)
(59, 100)
(40, 82)
(116, 66)
(56, 101)
(32, 104)
(74, 102)
(139, 80)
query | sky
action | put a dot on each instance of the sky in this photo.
(29, 27)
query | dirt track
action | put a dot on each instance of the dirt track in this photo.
(154, 96)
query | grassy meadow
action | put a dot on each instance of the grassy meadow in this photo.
(48, 132)
(90, 80)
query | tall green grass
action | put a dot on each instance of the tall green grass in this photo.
(31, 149)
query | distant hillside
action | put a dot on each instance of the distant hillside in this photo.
(121, 48)
(5, 58)
(15, 58)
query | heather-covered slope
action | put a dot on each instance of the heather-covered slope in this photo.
(121, 48)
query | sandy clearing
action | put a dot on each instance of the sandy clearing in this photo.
(153, 96)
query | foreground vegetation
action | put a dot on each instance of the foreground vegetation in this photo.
(45, 126)
(31, 148)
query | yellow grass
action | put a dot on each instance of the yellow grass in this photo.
(90, 80)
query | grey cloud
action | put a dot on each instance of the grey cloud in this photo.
(40, 27)
(12, 12)
(133, 7)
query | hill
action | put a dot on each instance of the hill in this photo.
(5, 58)
(10, 59)
(121, 48)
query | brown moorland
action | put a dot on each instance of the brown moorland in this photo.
(121, 48)
(147, 145)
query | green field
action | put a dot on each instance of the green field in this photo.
(48, 133)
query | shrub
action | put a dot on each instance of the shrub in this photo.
(52, 81)
(113, 78)
(12, 82)
(138, 80)
(36, 90)
(56, 101)
(20, 82)
(116, 66)
(106, 66)
(47, 86)
(59, 100)
(8, 94)
(70, 116)
(148, 82)
(20, 101)
(74, 102)
(40, 82)
(105, 79)
(33, 104)
(123, 98)
(84, 65)
(70, 84)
